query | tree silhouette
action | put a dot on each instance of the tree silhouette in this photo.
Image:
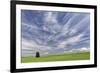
(37, 54)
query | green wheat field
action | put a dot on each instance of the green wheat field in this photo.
(63, 57)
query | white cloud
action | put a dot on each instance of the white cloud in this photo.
(70, 41)
(50, 17)
(31, 27)
(77, 26)
(84, 49)
(27, 44)
(67, 24)
(51, 23)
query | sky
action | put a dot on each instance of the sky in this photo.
(54, 32)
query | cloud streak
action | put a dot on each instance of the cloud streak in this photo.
(47, 30)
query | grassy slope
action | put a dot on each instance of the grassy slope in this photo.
(64, 57)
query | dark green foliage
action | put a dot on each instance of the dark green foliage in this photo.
(37, 54)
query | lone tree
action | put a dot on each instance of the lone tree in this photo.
(37, 54)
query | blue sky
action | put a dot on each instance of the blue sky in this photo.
(55, 31)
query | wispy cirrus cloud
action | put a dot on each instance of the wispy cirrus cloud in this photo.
(49, 30)
(70, 41)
